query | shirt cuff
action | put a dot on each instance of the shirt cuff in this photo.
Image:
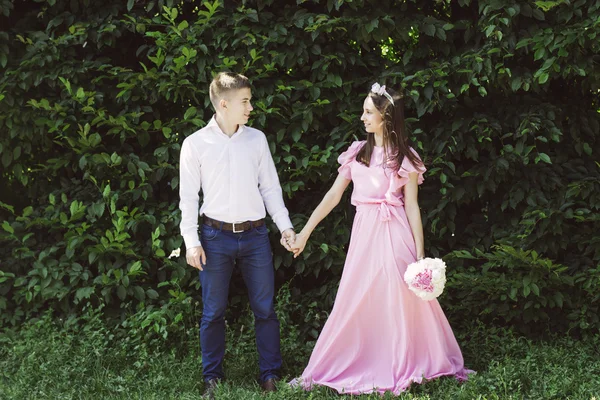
(191, 240)
(283, 223)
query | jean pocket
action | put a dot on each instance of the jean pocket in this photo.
(209, 232)
(262, 230)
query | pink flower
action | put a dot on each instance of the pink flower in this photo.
(423, 281)
(426, 278)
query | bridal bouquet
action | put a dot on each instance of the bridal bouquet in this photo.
(426, 278)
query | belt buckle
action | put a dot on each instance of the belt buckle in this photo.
(234, 231)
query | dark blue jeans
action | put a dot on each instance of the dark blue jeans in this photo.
(251, 252)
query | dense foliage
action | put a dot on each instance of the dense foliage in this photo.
(502, 99)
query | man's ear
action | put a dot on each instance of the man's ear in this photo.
(223, 103)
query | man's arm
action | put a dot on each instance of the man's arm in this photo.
(189, 187)
(270, 190)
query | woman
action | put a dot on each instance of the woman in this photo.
(380, 336)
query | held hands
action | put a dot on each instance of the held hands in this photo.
(292, 242)
(288, 237)
(196, 257)
(299, 244)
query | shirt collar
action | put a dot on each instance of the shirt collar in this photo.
(213, 125)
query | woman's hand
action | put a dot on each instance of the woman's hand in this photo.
(299, 244)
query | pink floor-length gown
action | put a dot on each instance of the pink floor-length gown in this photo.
(380, 336)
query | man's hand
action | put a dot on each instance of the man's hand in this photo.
(299, 244)
(196, 257)
(288, 237)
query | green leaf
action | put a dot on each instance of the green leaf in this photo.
(74, 207)
(6, 158)
(129, 4)
(558, 298)
(523, 43)
(539, 53)
(135, 268)
(548, 63)
(429, 29)
(545, 158)
(139, 293)
(84, 293)
(190, 113)
(121, 292)
(182, 25)
(6, 226)
(98, 208)
(516, 83)
(428, 92)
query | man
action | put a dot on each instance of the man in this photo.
(232, 164)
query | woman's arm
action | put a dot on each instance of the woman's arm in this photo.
(413, 213)
(330, 200)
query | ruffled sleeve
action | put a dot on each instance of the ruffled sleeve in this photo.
(407, 167)
(345, 159)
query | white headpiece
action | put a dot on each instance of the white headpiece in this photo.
(380, 90)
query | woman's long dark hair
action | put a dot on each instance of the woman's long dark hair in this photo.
(395, 141)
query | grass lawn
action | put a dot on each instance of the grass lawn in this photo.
(46, 360)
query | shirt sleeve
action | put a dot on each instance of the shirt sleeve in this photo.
(270, 189)
(189, 188)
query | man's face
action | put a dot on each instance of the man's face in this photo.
(237, 106)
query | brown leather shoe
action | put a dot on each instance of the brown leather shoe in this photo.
(210, 386)
(269, 385)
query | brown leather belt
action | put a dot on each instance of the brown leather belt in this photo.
(236, 227)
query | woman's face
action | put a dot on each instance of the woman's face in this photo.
(371, 117)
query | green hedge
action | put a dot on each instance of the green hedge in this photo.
(502, 99)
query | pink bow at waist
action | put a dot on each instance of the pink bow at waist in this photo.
(386, 210)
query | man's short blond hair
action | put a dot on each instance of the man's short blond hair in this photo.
(226, 82)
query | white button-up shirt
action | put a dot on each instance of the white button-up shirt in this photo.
(237, 176)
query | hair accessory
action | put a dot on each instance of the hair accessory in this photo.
(380, 90)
